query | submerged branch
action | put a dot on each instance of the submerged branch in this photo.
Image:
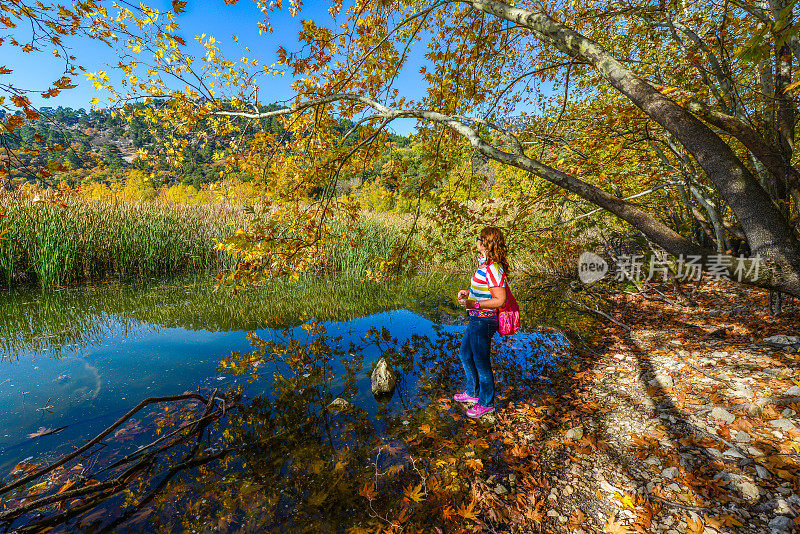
(135, 464)
(100, 436)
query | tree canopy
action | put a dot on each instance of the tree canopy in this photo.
(606, 101)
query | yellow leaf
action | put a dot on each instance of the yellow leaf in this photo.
(467, 512)
(725, 520)
(626, 500)
(415, 494)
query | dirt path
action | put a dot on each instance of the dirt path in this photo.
(686, 423)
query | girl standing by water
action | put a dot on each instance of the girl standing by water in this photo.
(487, 293)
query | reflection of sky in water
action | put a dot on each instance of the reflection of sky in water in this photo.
(90, 387)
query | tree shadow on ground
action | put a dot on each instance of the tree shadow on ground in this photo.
(631, 443)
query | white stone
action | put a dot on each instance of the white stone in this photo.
(748, 490)
(792, 391)
(781, 523)
(783, 424)
(733, 453)
(782, 507)
(575, 433)
(662, 380)
(339, 404)
(788, 412)
(742, 437)
(500, 489)
(670, 473)
(723, 415)
(652, 460)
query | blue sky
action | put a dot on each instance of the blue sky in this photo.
(212, 17)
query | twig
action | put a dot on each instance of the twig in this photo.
(681, 505)
(584, 306)
(141, 450)
(21, 510)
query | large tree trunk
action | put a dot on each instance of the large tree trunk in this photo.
(766, 228)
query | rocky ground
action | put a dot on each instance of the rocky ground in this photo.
(686, 422)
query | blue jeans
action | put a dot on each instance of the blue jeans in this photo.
(474, 353)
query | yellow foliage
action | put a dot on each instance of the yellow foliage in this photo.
(376, 198)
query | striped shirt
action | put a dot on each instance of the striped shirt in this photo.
(484, 278)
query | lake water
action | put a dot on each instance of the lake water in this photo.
(76, 360)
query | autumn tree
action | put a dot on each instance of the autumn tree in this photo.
(705, 91)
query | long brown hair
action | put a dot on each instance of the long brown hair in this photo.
(495, 245)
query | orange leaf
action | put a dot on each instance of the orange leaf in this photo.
(405, 513)
(467, 512)
(368, 491)
(724, 520)
(694, 526)
(616, 527)
(577, 519)
(66, 486)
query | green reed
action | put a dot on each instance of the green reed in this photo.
(355, 258)
(87, 240)
(52, 245)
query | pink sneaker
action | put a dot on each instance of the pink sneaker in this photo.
(479, 411)
(463, 397)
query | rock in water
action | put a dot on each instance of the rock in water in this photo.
(383, 378)
(339, 404)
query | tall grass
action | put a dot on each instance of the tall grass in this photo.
(90, 240)
(376, 242)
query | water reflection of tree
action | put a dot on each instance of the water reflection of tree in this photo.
(303, 466)
(287, 460)
(67, 321)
